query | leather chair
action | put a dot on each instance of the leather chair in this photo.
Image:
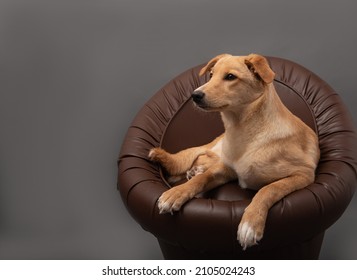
(206, 226)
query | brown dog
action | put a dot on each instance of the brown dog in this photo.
(264, 145)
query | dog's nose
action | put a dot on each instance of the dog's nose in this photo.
(198, 96)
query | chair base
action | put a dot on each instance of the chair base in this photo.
(307, 250)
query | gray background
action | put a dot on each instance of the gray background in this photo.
(73, 74)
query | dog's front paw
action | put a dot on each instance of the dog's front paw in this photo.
(172, 200)
(247, 235)
(251, 229)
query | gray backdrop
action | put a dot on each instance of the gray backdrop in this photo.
(74, 73)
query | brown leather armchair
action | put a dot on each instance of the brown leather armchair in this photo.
(206, 227)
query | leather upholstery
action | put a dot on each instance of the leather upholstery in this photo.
(206, 226)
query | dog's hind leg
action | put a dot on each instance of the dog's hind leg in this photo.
(179, 163)
(202, 163)
(176, 164)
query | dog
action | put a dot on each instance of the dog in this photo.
(264, 146)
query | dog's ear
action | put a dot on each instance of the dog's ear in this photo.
(211, 63)
(259, 66)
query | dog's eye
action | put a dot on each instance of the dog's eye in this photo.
(210, 74)
(230, 77)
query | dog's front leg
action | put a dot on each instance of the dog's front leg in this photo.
(216, 175)
(251, 227)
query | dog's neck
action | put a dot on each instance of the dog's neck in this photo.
(253, 115)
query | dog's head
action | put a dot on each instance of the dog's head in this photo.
(235, 81)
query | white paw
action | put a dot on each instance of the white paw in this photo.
(164, 206)
(171, 201)
(194, 171)
(247, 236)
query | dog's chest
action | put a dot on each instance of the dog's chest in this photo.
(243, 168)
(243, 158)
(235, 147)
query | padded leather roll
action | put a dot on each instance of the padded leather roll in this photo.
(209, 222)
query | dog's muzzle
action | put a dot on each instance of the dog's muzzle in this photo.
(198, 97)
